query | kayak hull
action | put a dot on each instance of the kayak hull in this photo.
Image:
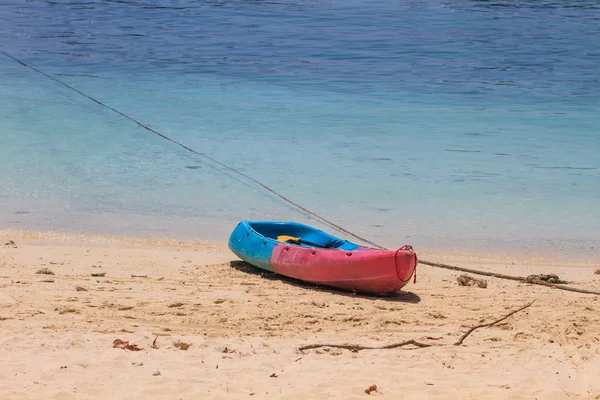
(318, 257)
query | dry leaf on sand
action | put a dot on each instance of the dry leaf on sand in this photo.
(119, 344)
(372, 388)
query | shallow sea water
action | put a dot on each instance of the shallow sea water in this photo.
(470, 125)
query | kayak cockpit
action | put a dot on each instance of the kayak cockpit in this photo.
(299, 234)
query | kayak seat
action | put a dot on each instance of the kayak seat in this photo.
(335, 243)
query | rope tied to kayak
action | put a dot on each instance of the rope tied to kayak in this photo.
(407, 247)
(282, 197)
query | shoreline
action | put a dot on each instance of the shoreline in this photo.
(441, 255)
(245, 327)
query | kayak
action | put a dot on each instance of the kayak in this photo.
(302, 252)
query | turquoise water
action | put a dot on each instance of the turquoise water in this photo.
(470, 125)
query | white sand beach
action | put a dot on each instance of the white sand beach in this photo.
(244, 327)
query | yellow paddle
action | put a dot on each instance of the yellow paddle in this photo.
(297, 240)
(286, 238)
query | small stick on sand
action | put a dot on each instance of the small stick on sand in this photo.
(491, 323)
(357, 347)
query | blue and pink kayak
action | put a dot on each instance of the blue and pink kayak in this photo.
(309, 254)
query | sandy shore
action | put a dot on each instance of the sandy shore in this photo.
(244, 327)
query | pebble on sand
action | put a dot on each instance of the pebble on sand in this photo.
(45, 271)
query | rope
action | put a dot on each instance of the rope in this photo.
(511, 277)
(287, 200)
(232, 169)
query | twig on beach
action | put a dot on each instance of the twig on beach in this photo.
(564, 391)
(510, 277)
(491, 323)
(357, 347)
